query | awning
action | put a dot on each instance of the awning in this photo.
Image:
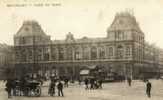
(84, 72)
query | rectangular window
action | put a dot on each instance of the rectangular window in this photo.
(110, 51)
(128, 51)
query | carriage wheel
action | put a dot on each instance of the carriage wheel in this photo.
(38, 91)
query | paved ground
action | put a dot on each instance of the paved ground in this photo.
(110, 91)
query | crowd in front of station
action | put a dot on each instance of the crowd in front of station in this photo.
(26, 87)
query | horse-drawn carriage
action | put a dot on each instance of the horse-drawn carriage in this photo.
(27, 88)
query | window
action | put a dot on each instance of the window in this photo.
(102, 52)
(110, 51)
(46, 53)
(54, 53)
(30, 55)
(119, 52)
(39, 54)
(23, 41)
(119, 35)
(23, 55)
(128, 51)
(78, 55)
(69, 53)
(93, 53)
(61, 54)
(85, 53)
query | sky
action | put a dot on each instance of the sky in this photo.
(89, 18)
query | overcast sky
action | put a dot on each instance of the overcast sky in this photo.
(88, 18)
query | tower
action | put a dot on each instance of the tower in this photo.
(128, 41)
(28, 47)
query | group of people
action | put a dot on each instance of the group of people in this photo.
(93, 83)
(90, 83)
(53, 85)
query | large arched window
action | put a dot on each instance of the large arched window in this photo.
(46, 53)
(120, 52)
(86, 53)
(69, 53)
(54, 53)
(78, 53)
(110, 54)
(61, 54)
(93, 53)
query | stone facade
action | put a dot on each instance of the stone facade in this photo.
(123, 50)
(6, 61)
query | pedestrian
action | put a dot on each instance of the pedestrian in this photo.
(60, 88)
(14, 83)
(79, 80)
(86, 81)
(66, 82)
(148, 88)
(100, 83)
(9, 87)
(92, 82)
(96, 85)
(52, 87)
(129, 81)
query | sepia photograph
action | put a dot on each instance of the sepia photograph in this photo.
(81, 50)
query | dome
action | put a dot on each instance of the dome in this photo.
(30, 28)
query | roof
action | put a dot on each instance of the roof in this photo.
(30, 28)
(124, 21)
(82, 40)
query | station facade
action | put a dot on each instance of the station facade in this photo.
(123, 50)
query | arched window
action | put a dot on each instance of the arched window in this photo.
(93, 53)
(54, 53)
(119, 52)
(102, 52)
(61, 54)
(110, 52)
(78, 54)
(46, 53)
(69, 53)
(86, 53)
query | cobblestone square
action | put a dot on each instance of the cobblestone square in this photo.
(110, 91)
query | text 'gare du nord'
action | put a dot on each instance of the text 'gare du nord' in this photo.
(123, 51)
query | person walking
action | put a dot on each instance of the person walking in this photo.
(148, 88)
(92, 82)
(66, 82)
(129, 81)
(60, 88)
(79, 80)
(86, 83)
(9, 87)
(100, 83)
(52, 87)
